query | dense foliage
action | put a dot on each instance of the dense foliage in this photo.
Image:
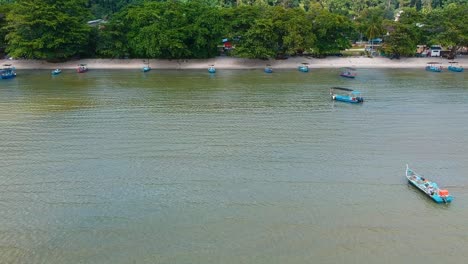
(176, 29)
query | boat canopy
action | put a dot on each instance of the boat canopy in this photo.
(433, 62)
(349, 68)
(453, 61)
(342, 89)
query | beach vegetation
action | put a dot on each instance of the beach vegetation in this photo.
(264, 29)
(46, 29)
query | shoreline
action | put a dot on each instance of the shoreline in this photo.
(237, 63)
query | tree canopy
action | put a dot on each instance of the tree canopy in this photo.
(177, 29)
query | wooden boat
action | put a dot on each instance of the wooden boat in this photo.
(82, 68)
(304, 67)
(7, 72)
(56, 72)
(348, 73)
(431, 189)
(346, 95)
(455, 67)
(211, 69)
(268, 69)
(433, 67)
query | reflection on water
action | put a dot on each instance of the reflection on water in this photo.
(240, 167)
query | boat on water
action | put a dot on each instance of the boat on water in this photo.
(304, 67)
(8, 72)
(455, 67)
(348, 73)
(431, 189)
(56, 72)
(146, 68)
(268, 69)
(82, 68)
(433, 67)
(346, 95)
(211, 69)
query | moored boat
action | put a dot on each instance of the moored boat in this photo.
(348, 73)
(455, 67)
(346, 95)
(211, 69)
(7, 72)
(433, 67)
(268, 69)
(56, 72)
(304, 67)
(146, 68)
(431, 189)
(82, 68)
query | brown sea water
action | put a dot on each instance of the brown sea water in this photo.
(236, 167)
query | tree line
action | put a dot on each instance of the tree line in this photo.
(180, 29)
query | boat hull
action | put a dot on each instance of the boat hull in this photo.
(433, 69)
(347, 99)
(455, 69)
(11, 76)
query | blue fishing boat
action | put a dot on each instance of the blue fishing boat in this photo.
(211, 69)
(433, 67)
(304, 67)
(7, 72)
(268, 69)
(455, 67)
(348, 73)
(56, 72)
(431, 189)
(147, 67)
(346, 95)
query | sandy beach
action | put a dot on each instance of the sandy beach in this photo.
(238, 63)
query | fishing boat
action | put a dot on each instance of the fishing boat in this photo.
(7, 72)
(82, 68)
(346, 95)
(348, 73)
(433, 67)
(147, 67)
(211, 69)
(56, 72)
(431, 189)
(268, 69)
(304, 67)
(455, 67)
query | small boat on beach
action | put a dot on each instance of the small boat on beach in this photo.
(304, 67)
(211, 69)
(433, 67)
(56, 72)
(348, 73)
(431, 189)
(7, 72)
(346, 95)
(147, 67)
(455, 67)
(82, 68)
(268, 69)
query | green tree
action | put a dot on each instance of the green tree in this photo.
(405, 34)
(333, 32)
(448, 26)
(47, 29)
